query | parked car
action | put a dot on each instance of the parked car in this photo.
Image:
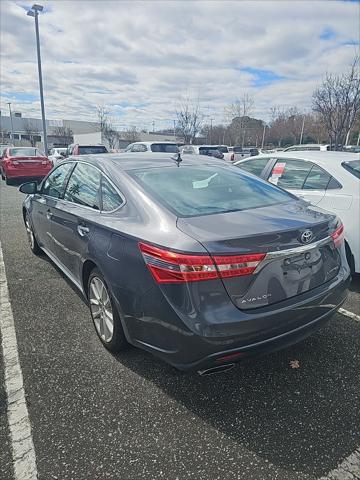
(57, 154)
(77, 149)
(244, 152)
(306, 147)
(197, 262)
(209, 150)
(20, 163)
(152, 147)
(329, 180)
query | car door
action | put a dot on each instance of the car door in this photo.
(75, 216)
(292, 174)
(44, 203)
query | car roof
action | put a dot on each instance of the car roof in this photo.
(330, 161)
(155, 141)
(124, 161)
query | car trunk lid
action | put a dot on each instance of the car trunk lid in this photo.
(294, 238)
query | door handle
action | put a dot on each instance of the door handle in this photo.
(49, 214)
(82, 230)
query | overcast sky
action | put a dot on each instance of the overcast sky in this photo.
(139, 58)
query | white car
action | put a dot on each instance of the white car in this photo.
(305, 147)
(218, 151)
(330, 180)
(57, 154)
(151, 147)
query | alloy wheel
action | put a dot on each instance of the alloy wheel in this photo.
(30, 234)
(101, 309)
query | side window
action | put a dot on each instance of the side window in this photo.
(139, 147)
(255, 167)
(83, 187)
(54, 184)
(317, 179)
(333, 184)
(290, 173)
(109, 196)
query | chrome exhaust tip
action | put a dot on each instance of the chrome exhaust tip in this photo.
(217, 369)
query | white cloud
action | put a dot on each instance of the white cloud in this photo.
(138, 58)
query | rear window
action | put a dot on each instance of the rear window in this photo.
(191, 191)
(223, 149)
(353, 167)
(90, 149)
(208, 149)
(23, 152)
(164, 148)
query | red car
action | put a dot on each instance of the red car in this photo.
(19, 163)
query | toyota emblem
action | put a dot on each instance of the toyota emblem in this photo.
(306, 236)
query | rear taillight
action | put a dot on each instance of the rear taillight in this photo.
(238, 265)
(171, 267)
(232, 157)
(338, 236)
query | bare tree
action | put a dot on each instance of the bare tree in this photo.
(103, 117)
(189, 119)
(239, 111)
(32, 132)
(131, 135)
(111, 135)
(65, 133)
(337, 100)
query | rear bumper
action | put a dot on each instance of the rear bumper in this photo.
(265, 331)
(31, 173)
(260, 348)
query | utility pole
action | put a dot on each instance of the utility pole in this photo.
(153, 125)
(302, 130)
(11, 122)
(211, 127)
(263, 136)
(34, 12)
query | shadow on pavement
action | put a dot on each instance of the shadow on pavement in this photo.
(304, 420)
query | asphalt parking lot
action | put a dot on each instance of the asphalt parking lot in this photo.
(98, 416)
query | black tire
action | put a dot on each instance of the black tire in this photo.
(118, 341)
(2, 175)
(33, 244)
(8, 181)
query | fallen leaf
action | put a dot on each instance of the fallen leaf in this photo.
(294, 364)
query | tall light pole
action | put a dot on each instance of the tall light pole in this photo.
(11, 122)
(263, 136)
(302, 130)
(34, 12)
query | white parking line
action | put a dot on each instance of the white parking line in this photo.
(23, 452)
(349, 314)
(349, 469)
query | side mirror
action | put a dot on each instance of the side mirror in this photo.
(28, 188)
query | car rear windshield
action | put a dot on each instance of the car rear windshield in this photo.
(223, 149)
(353, 167)
(191, 191)
(208, 149)
(90, 149)
(164, 148)
(23, 152)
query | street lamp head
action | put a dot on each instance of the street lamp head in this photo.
(30, 13)
(37, 8)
